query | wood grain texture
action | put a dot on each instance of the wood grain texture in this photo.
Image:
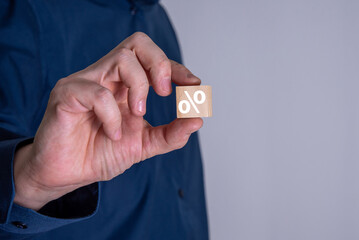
(194, 101)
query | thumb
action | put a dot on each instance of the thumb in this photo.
(166, 138)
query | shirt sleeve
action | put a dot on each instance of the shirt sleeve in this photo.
(22, 89)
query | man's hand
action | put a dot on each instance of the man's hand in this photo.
(93, 128)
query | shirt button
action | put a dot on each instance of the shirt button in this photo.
(133, 10)
(180, 193)
(19, 224)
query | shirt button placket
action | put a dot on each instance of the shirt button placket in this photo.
(180, 193)
(133, 10)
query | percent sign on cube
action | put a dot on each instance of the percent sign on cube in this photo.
(194, 101)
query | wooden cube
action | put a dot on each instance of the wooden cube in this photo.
(194, 101)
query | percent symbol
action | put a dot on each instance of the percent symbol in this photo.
(196, 100)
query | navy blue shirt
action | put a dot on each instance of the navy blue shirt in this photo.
(42, 41)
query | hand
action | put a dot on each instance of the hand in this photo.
(93, 128)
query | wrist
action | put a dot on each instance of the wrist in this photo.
(27, 193)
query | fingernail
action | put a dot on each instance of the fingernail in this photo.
(190, 75)
(166, 84)
(193, 78)
(141, 106)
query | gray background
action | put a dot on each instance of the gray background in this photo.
(281, 153)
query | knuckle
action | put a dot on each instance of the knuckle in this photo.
(113, 121)
(61, 82)
(124, 54)
(164, 63)
(139, 37)
(140, 89)
(59, 89)
(53, 94)
(143, 85)
(103, 94)
(62, 97)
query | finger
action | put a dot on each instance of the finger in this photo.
(153, 60)
(182, 76)
(134, 77)
(122, 65)
(151, 57)
(166, 138)
(84, 96)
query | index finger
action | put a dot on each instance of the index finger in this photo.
(153, 60)
(182, 76)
